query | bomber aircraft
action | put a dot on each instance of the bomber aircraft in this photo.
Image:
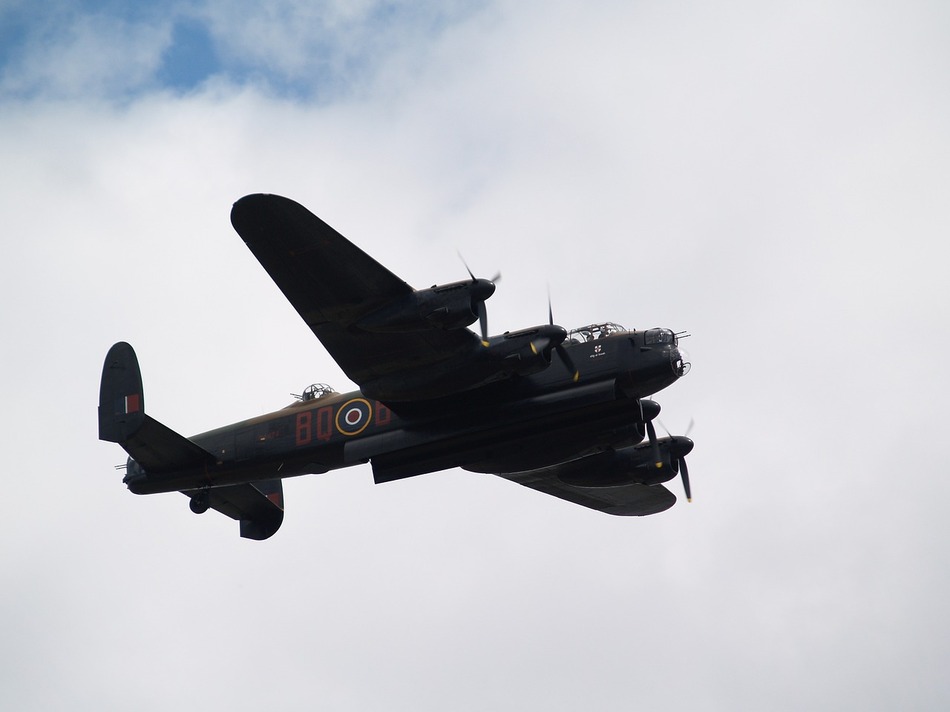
(432, 393)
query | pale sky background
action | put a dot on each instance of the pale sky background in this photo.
(772, 177)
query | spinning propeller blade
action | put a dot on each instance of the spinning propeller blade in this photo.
(484, 288)
(539, 345)
(654, 446)
(561, 351)
(681, 459)
(483, 321)
(684, 474)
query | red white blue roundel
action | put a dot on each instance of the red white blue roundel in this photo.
(353, 416)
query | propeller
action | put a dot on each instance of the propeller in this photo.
(561, 351)
(482, 320)
(684, 474)
(482, 289)
(681, 457)
(654, 446)
(689, 428)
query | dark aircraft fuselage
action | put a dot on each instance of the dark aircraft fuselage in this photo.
(519, 424)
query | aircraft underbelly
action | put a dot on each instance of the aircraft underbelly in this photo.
(554, 446)
(513, 446)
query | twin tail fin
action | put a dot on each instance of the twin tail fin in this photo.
(158, 450)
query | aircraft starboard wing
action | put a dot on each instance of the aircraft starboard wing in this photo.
(333, 284)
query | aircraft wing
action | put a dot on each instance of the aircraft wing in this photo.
(332, 284)
(630, 500)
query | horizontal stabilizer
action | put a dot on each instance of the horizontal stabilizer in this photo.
(158, 448)
(258, 506)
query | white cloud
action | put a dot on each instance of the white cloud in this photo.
(311, 50)
(86, 55)
(771, 179)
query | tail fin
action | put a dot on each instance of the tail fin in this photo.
(159, 450)
(121, 404)
(122, 419)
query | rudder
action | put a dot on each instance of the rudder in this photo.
(121, 402)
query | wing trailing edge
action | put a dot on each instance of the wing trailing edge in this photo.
(629, 500)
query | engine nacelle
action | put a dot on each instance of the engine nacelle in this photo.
(515, 353)
(525, 352)
(636, 464)
(447, 306)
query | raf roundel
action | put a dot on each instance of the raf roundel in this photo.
(353, 416)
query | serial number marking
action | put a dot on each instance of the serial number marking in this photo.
(305, 431)
(351, 418)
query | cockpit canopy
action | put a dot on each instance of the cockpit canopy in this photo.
(315, 391)
(593, 332)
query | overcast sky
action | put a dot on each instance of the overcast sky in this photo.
(773, 178)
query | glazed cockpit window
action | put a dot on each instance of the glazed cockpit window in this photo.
(659, 336)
